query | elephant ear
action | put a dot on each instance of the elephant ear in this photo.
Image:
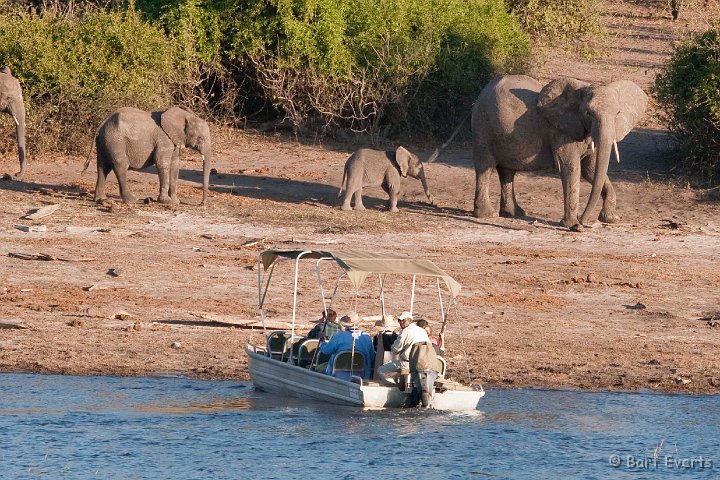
(402, 157)
(633, 103)
(173, 122)
(559, 103)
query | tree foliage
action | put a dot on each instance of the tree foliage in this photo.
(689, 90)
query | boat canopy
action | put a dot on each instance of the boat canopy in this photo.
(358, 264)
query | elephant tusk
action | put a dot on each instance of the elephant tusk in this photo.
(592, 146)
(16, 121)
(203, 157)
(617, 152)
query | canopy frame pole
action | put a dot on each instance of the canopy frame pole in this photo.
(382, 295)
(320, 282)
(337, 285)
(442, 309)
(446, 313)
(262, 293)
(412, 295)
(295, 285)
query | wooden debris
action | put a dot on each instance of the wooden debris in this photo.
(122, 315)
(95, 286)
(44, 257)
(32, 228)
(13, 324)
(30, 256)
(42, 212)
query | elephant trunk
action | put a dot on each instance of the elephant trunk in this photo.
(207, 157)
(423, 180)
(18, 113)
(603, 134)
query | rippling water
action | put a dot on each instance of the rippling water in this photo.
(107, 427)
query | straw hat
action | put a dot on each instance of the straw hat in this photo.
(350, 320)
(387, 323)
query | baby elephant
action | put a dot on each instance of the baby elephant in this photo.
(369, 168)
(133, 139)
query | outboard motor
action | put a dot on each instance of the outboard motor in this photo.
(424, 372)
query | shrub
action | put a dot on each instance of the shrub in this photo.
(688, 89)
(569, 22)
(75, 68)
(367, 64)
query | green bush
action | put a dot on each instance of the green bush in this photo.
(568, 22)
(688, 89)
(376, 65)
(76, 68)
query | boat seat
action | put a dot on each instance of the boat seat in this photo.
(306, 351)
(347, 364)
(442, 366)
(276, 343)
(291, 354)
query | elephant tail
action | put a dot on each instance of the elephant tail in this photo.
(442, 147)
(87, 160)
(342, 184)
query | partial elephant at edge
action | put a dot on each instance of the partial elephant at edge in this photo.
(11, 101)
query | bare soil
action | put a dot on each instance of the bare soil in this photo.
(629, 306)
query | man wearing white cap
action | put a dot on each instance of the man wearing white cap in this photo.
(410, 335)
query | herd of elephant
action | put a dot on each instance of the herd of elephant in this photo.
(517, 123)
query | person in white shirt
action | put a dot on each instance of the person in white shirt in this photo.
(410, 335)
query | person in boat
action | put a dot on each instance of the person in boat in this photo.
(438, 342)
(327, 326)
(411, 334)
(352, 339)
(387, 331)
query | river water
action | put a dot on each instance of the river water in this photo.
(170, 427)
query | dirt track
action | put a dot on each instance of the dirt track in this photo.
(626, 306)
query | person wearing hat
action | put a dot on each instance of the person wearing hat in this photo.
(410, 335)
(352, 339)
(327, 326)
(387, 331)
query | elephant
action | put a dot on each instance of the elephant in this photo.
(520, 125)
(133, 139)
(367, 167)
(11, 101)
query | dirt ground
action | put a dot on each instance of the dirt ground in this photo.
(629, 306)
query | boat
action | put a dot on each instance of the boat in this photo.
(285, 362)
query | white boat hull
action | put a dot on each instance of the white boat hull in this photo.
(272, 375)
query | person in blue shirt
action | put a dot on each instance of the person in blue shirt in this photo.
(352, 338)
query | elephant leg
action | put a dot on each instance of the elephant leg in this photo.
(482, 192)
(174, 176)
(570, 176)
(347, 196)
(163, 162)
(358, 199)
(607, 214)
(103, 170)
(508, 203)
(121, 175)
(164, 176)
(392, 196)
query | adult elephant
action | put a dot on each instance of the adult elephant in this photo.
(520, 125)
(11, 101)
(132, 139)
